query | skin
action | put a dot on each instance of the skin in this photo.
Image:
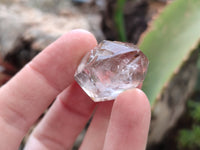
(122, 124)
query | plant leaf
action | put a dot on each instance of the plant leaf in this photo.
(119, 19)
(175, 34)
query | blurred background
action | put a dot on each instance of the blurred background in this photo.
(167, 31)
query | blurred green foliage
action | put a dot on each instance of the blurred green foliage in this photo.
(190, 138)
(173, 37)
(194, 110)
(119, 19)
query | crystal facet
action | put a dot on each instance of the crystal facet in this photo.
(111, 68)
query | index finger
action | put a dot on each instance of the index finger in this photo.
(32, 90)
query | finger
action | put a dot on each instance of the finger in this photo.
(95, 136)
(96, 132)
(129, 122)
(63, 122)
(33, 89)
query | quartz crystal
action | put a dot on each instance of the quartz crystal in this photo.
(111, 68)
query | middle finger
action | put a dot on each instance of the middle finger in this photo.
(63, 122)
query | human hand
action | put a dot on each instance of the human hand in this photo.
(116, 125)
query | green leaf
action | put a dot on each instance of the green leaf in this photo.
(189, 138)
(174, 34)
(119, 19)
(194, 108)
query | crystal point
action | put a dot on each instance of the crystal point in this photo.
(111, 68)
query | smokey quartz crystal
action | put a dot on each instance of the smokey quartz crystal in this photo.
(111, 68)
